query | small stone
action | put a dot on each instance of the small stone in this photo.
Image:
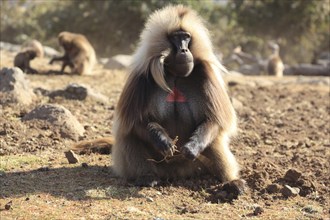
(292, 175)
(236, 104)
(71, 156)
(84, 165)
(309, 209)
(133, 209)
(268, 141)
(149, 199)
(273, 188)
(258, 210)
(288, 191)
(8, 205)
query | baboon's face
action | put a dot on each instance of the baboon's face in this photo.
(180, 61)
(66, 45)
(31, 54)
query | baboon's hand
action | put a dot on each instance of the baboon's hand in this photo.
(162, 142)
(191, 150)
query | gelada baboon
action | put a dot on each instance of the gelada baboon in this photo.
(275, 65)
(174, 118)
(79, 54)
(29, 51)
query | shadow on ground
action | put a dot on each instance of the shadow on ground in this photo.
(77, 183)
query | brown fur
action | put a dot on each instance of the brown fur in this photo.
(98, 145)
(29, 51)
(275, 65)
(145, 121)
(79, 54)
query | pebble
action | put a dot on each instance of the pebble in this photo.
(273, 188)
(292, 175)
(268, 141)
(71, 156)
(149, 199)
(288, 191)
(309, 209)
(258, 210)
(8, 205)
(84, 165)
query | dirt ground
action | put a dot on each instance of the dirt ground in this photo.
(283, 139)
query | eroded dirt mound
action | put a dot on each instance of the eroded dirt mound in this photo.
(59, 117)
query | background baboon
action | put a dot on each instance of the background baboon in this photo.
(275, 65)
(29, 51)
(79, 54)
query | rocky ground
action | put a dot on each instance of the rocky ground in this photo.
(283, 146)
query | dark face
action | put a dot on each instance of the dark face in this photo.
(32, 54)
(180, 62)
(67, 46)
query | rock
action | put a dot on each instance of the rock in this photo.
(59, 117)
(77, 92)
(234, 188)
(119, 62)
(268, 142)
(306, 186)
(8, 205)
(50, 52)
(71, 156)
(247, 69)
(288, 191)
(72, 91)
(9, 47)
(292, 175)
(273, 188)
(236, 103)
(133, 209)
(310, 209)
(258, 210)
(14, 87)
(149, 199)
(84, 165)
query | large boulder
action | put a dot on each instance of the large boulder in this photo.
(14, 87)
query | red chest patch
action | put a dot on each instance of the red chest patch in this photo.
(176, 96)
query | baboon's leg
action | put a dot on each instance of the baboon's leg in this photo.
(223, 163)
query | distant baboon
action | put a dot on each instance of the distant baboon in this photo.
(275, 65)
(79, 54)
(29, 51)
(174, 118)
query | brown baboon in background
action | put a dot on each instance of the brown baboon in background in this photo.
(79, 54)
(275, 65)
(29, 51)
(174, 118)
